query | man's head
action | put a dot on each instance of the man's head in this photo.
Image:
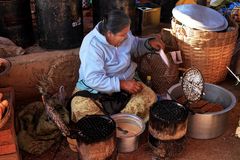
(116, 25)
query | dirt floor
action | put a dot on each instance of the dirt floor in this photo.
(224, 147)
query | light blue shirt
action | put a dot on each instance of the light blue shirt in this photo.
(103, 65)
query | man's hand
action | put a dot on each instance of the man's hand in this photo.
(131, 86)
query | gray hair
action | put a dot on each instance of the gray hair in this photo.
(115, 21)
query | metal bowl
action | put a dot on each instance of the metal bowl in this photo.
(213, 124)
(129, 129)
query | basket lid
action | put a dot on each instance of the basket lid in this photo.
(200, 17)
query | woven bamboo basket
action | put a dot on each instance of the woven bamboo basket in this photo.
(210, 52)
(151, 64)
(163, 77)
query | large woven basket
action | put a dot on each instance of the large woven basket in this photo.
(210, 52)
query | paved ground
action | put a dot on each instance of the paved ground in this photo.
(224, 147)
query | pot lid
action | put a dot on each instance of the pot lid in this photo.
(221, 28)
(192, 84)
(200, 17)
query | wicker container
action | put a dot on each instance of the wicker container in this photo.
(210, 52)
(163, 76)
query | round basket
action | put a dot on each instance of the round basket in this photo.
(6, 116)
(163, 77)
(208, 51)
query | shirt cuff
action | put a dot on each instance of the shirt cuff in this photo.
(147, 45)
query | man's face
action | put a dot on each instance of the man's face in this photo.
(117, 39)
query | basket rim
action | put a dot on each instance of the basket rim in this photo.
(175, 26)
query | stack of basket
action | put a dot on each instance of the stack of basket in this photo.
(208, 49)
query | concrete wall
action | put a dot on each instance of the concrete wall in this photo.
(60, 66)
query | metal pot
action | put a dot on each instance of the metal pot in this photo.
(213, 124)
(129, 129)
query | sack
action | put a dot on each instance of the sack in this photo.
(114, 103)
(111, 104)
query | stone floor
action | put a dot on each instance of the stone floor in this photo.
(224, 147)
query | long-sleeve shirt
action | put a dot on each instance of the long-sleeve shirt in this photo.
(103, 65)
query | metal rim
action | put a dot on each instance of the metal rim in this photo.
(135, 118)
(212, 113)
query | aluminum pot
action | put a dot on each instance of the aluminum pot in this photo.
(213, 124)
(129, 129)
